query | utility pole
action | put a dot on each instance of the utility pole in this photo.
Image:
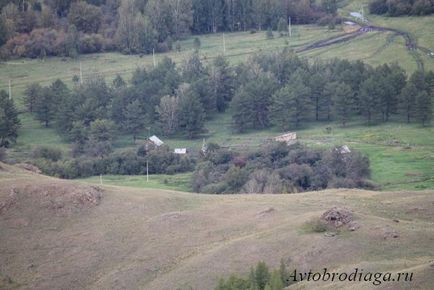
(10, 90)
(289, 27)
(100, 179)
(153, 57)
(224, 44)
(81, 74)
(147, 170)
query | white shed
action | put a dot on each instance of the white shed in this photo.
(157, 141)
(181, 151)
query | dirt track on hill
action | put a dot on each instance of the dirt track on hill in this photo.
(410, 42)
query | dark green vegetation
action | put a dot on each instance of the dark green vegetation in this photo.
(260, 278)
(402, 7)
(276, 89)
(279, 168)
(9, 122)
(40, 28)
(287, 92)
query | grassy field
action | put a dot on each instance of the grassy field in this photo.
(181, 182)
(238, 47)
(57, 235)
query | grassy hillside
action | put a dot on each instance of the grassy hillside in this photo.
(64, 235)
(238, 47)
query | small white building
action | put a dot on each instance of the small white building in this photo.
(350, 23)
(156, 141)
(289, 138)
(181, 151)
(344, 149)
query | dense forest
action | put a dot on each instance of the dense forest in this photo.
(39, 28)
(402, 7)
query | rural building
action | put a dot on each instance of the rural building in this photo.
(358, 16)
(156, 141)
(180, 151)
(289, 138)
(344, 149)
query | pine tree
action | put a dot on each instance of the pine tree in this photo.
(262, 275)
(276, 281)
(191, 115)
(250, 105)
(370, 96)
(31, 95)
(424, 107)
(290, 105)
(222, 84)
(101, 134)
(9, 122)
(343, 102)
(134, 118)
(317, 83)
(192, 68)
(407, 101)
(44, 107)
(326, 102)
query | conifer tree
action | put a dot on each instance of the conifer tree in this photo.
(290, 105)
(31, 95)
(343, 102)
(9, 122)
(191, 115)
(370, 96)
(45, 107)
(134, 118)
(407, 102)
(424, 107)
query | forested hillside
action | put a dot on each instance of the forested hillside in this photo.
(38, 28)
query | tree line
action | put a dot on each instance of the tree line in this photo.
(270, 89)
(260, 277)
(282, 90)
(168, 100)
(401, 7)
(39, 28)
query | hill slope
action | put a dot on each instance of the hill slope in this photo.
(67, 235)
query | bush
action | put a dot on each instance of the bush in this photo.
(316, 225)
(278, 168)
(269, 34)
(90, 43)
(49, 153)
(2, 154)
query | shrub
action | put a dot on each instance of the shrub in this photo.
(279, 168)
(269, 34)
(2, 154)
(49, 153)
(317, 225)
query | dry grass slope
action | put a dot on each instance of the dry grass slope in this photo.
(126, 238)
